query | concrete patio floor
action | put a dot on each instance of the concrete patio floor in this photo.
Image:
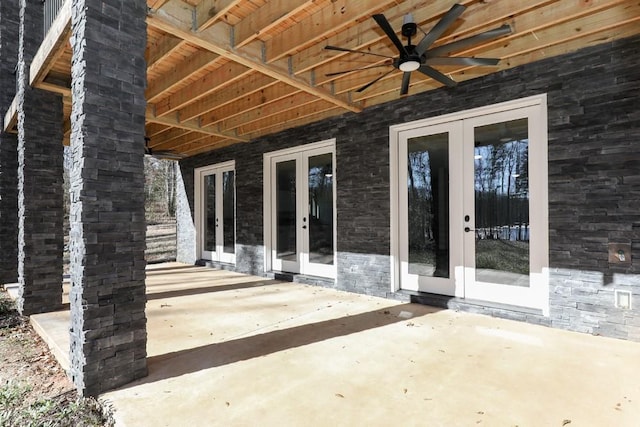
(234, 350)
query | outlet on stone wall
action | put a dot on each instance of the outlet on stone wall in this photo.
(620, 253)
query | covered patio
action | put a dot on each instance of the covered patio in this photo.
(230, 349)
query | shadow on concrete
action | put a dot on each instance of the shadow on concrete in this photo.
(173, 270)
(188, 361)
(209, 289)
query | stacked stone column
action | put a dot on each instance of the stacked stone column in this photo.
(40, 178)
(107, 237)
(9, 28)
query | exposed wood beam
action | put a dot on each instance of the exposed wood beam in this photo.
(275, 126)
(177, 22)
(173, 144)
(363, 36)
(270, 94)
(190, 125)
(11, 117)
(168, 136)
(594, 37)
(327, 21)
(216, 80)
(287, 117)
(155, 129)
(261, 112)
(210, 11)
(204, 145)
(266, 17)
(181, 71)
(156, 4)
(52, 46)
(163, 48)
(251, 83)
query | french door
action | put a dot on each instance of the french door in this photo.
(215, 213)
(302, 212)
(472, 214)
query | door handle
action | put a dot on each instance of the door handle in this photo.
(467, 229)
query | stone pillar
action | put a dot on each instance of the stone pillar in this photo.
(9, 30)
(107, 236)
(40, 178)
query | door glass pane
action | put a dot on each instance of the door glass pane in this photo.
(320, 220)
(286, 210)
(228, 212)
(210, 213)
(428, 195)
(502, 203)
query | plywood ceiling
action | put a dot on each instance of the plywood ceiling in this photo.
(222, 72)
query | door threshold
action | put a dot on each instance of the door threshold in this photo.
(455, 303)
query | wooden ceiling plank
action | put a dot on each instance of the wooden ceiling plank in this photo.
(189, 125)
(216, 39)
(327, 21)
(162, 49)
(255, 100)
(277, 126)
(271, 109)
(266, 17)
(175, 144)
(181, 71)
(52, 47)
(580, 39)
(251, 83)
(165, 137)
(286, 117)
(155, 129)
(206, 85)
(363, 36)
(156, 4)
(205, 145)
(208, 12)
(551, 15)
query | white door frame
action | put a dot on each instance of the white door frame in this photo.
(538, 156)
(300, 154)
(199, 174)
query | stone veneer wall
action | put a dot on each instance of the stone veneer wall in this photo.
(40, 178)
(9, 30)
(107, 221)
(594, 183)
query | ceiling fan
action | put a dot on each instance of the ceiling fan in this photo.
(421, 57)
(160, 154)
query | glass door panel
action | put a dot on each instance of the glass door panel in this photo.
(428, 194)
(215, 213)
(228, 208)
(209, 214)
(320, 218)
(286, 211)
(302, 212)
(430, 255)
(501, 184)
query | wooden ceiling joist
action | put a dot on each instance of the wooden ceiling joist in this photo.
(176, 22)
(221, 72)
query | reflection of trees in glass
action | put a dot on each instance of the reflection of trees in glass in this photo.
(428, 197)
(502, 191)
(228, 210)
(502, 198)
(210, 204)
(320, 182)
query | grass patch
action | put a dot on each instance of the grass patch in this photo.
(18, 409)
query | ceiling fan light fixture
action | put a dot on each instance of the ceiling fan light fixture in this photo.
(409, 65)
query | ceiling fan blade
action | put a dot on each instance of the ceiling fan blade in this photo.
(342, 49)
(374, 81)
(453, 60)
(446, 49)
(357, 69)
(406, 78)
(442, 26)
(386, 27)
(436, 75)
